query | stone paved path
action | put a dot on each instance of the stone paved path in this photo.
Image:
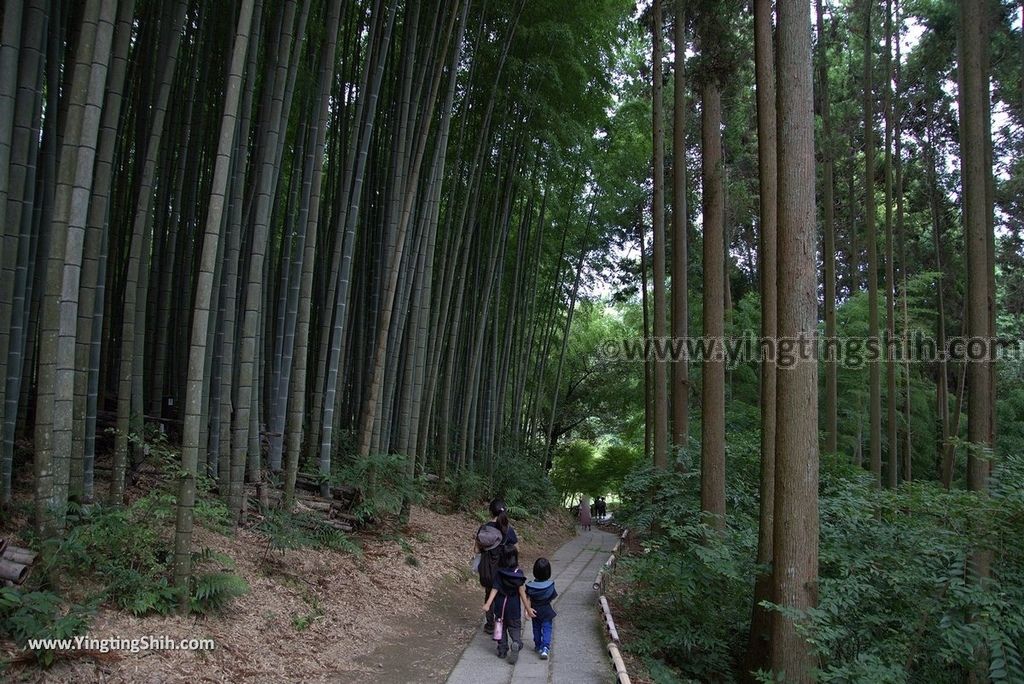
(578, 644)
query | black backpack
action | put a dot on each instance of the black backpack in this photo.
(490, 561)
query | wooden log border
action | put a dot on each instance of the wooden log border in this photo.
(600, 582)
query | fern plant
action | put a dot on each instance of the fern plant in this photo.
(284, 530)
(213, 591)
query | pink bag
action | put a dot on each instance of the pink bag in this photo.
(499, 622)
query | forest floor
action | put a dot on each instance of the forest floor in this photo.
(401, 611)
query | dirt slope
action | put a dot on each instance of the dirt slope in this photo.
(400, 612)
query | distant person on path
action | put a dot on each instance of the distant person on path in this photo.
(542, 592)
(585, 513)
(602, 508)
(510, 591)
(491, 539)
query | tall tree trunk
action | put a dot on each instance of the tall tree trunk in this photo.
(297, 403)
(130, 390)
(945, 469)
(245, 443)
(759, 645)
(977, 213)
(795, 543)
(907, 456)
(21, 195)
(227, 320)
(892, 439)
(374, 382)
(680, 234)
(10, 47)
(658, 256)
(712, 470)
(874, 370)
(349, 215)
(648, 371)
(829, 241)
(91, 306)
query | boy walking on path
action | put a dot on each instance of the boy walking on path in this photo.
(542, 592)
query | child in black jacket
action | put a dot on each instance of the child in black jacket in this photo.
(511, 597)
(542, 592)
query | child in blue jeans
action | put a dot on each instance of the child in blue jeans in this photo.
(542, 592)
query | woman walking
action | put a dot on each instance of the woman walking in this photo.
(493, 538)
(585, 513)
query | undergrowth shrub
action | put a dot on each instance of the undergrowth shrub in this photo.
(897, 599)
(382, 482)
(898, 602)
(519, 481)
(284, 530)
(688, 589)
(28, 615)
(116, 556)
(124, 556)
(464, 489)
(120, 556)
(524, 486)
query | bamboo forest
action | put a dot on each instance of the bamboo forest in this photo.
(719, 302)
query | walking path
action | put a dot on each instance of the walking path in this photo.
(578, 645)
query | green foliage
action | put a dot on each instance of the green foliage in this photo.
(119, 556)
(572, 468)
(383, 483)
(123, 556)
(129, 548)
(897, 599)
(690, 587)
(579, 468)
(611, 466)
(464, 489)
(213, 591)
(284, 530)
(523, 485)
(302, 621)
(897, 593)
(39, 615)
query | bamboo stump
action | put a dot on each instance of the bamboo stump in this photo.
(13, 571)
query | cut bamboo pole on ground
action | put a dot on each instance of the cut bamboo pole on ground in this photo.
(13, 571)
(18, 554)
(609, 622)
(621, 675)
(609, 565)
